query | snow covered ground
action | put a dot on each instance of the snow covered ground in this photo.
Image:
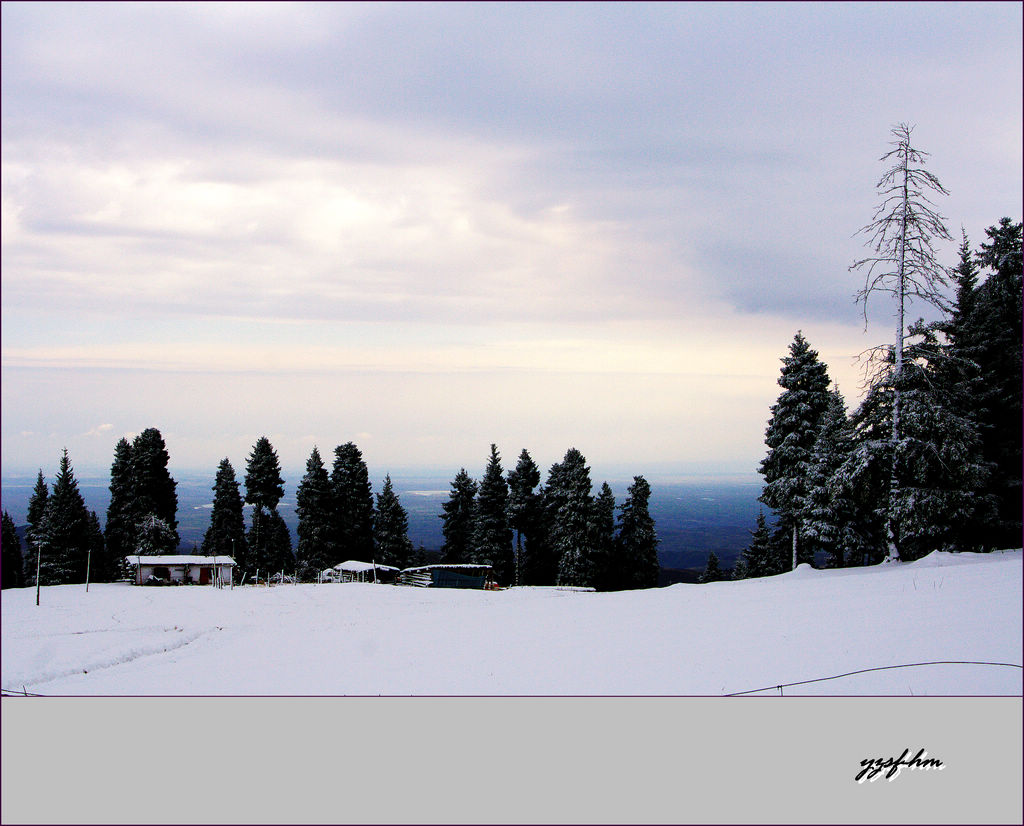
(692, 640)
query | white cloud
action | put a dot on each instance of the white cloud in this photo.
(316, 239)
(100, 430)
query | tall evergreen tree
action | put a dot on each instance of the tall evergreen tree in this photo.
(938, 470)
(120, 529)
(958, 367)
(274, 551)
(905, 266)
(569, 506)
(790, 437)
(964, 316)
(492, 534)
(153, 489)
(37, 507)
(942, 503)
(391, 528)
(66, 530)
(637, 537)
(997, 352)
(225, 535)
(316, 548)
(608, 571)
(353, 503)
(459, 518)
(34, 533)
(526, 517)
(11, 574)
(264, 488)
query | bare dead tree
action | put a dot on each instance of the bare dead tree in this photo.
(904, 265)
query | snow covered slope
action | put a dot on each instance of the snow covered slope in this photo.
(364, 639)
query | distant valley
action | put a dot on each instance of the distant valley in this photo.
(693, 517)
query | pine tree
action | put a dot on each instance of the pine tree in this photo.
(963, 320)
(277, 548)
(153, 489)
(712, 573)
(826, 515)
(225, 535)
(637, 537)
(121, 517)
(608, 571)
(938, 471)
(944, 473)
(997, 352)
(264, 488)
(66, 530)
(905, 266)
(526, 518)
(958, 367)
(153, 535)
(492, 534)
(99, 565)
(10, 555)
(569, 506)
(790, 436)
(391, 528)
(316, 549)
(458, 519)
(270, 550)
(759, 558)
(34, 533)
(863, 478)
(353, 504)
(37, 507)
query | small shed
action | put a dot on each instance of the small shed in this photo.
(354, 571)
(449, 576)
(180, 569)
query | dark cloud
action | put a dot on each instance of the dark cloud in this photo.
(760, 280)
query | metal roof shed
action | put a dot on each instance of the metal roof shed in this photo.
(448, 576)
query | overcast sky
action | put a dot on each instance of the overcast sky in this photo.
(425, 228)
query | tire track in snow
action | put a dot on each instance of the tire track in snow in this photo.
(122, 659)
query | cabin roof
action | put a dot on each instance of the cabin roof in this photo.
(179, 559)
(354, 565)
(457, 566)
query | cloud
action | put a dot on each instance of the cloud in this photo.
(100, 430)
(313, 239)
(446, 196)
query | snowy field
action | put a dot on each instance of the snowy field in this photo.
(692, 640)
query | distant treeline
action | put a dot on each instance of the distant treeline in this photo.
(558, 533)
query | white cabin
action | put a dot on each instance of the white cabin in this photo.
(181, 569)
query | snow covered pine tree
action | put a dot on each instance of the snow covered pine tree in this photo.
(790, 436)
